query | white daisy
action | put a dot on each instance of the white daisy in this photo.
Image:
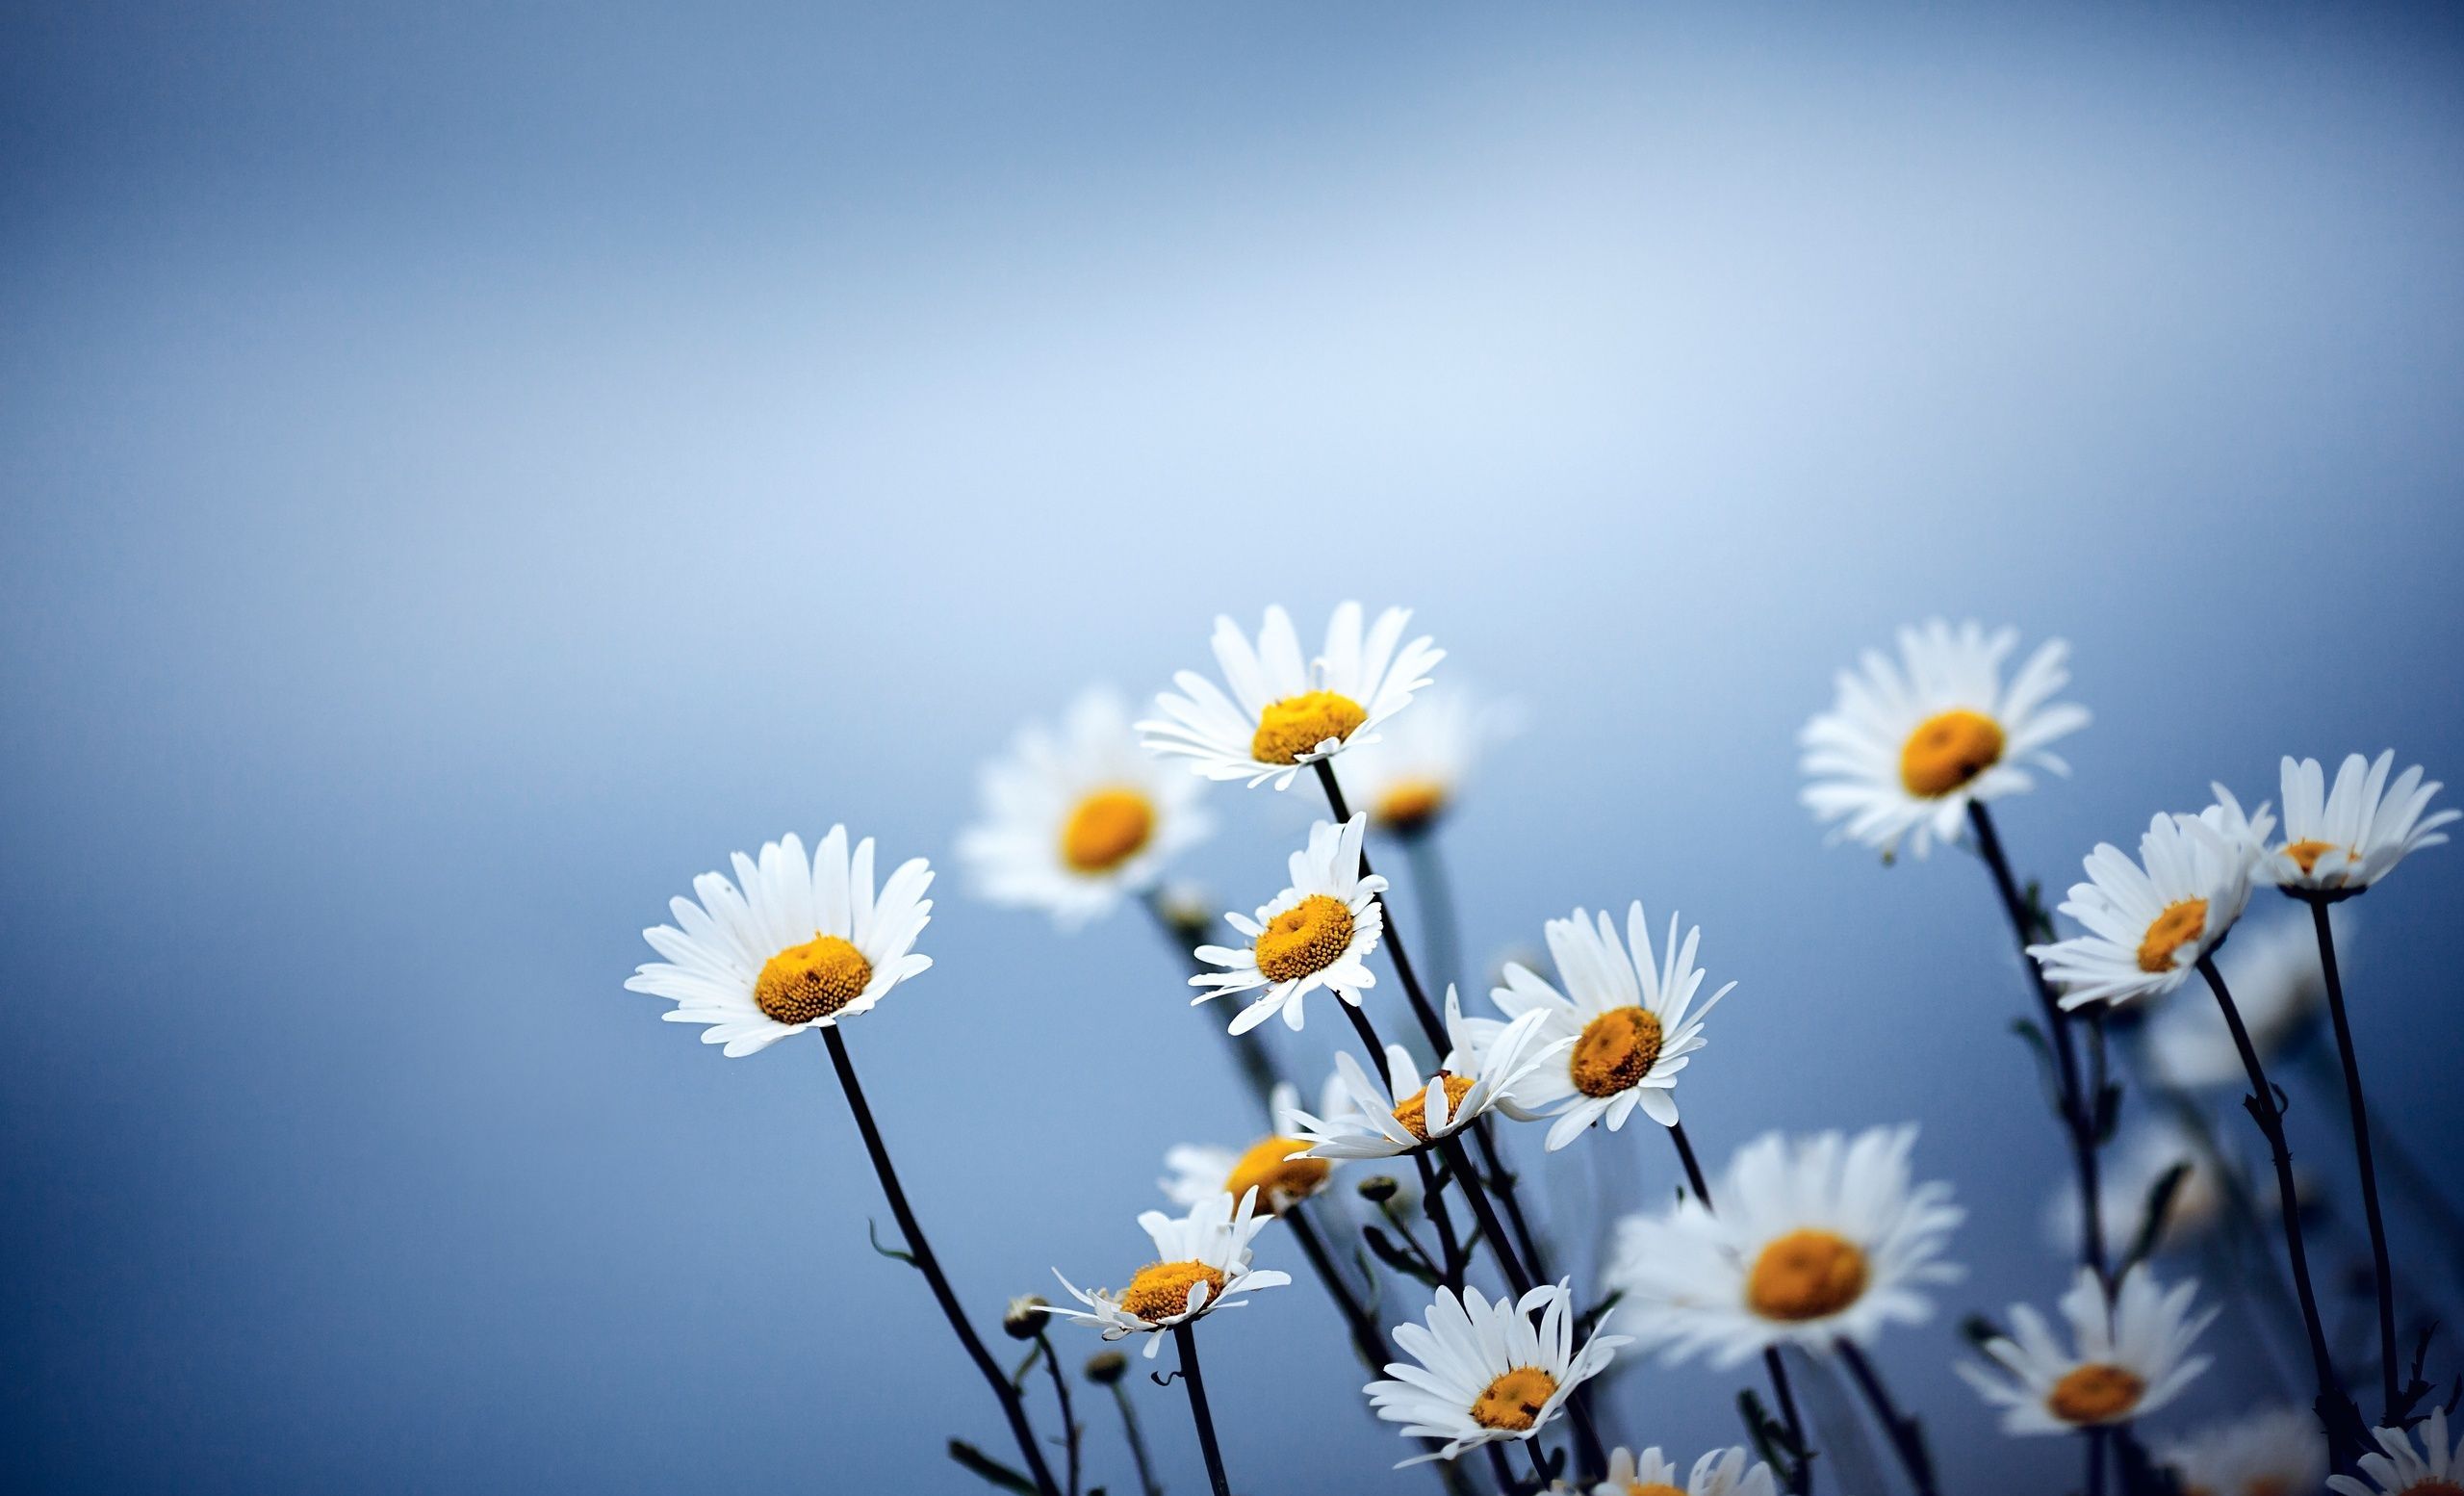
(1427, 1110)
(804, 945)
(2131, 1169)
(1906, 747)
(1485, 1372)
(2273, 1451)
(1201, 1261)
(1317, 933)
(1415, 773)
(1624, 1017)
(2272, 967)
(1283, 714)
(1073, 821)
(1722, 1472)
(2400, 1468)
(2148, 923)
(1815, 1240)
(2133, 1356)
(2344, 840)
(1270, 1166)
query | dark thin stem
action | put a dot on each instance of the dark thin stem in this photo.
(2336, 1412)
(1433, 1205)
(1800, 1478)
(1136, 1442)
(2415, 1186)
(1068, 1419)
(1185, 1340)
(1011, 1406)
(1366, 1337)
(2379, 1259)
(1501, 1246)
(1369, 1040)
(1539, 1471)
(1501, 1471)
(1430, 1028)
(1906, 1440)
(2247, 1240)
(2095, 1440)
(1257, 1068)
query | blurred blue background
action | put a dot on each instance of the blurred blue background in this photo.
(469, 469)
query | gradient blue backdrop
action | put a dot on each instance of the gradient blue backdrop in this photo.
(468, 469)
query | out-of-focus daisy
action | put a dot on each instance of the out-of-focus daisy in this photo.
(1485, 1372)
(1427, 1110)
(1815, 1240)
(1722, 1472)
(2133, 1356)
(803, 944)
(1625, 1019)
(2342, 841)
(1284, 714)
(1200, 1171)
(2272, 967)
(1414, 774)
(2274, 1452)
(1317, 933)
(1906, 746)
(2148, 923)
(2131, 1169)
(1201, 1261)
(2401, 1468)
(1073, 821)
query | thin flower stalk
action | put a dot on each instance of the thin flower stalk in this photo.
(1800, 1472)
(2382, 1269)
(1185, 1340)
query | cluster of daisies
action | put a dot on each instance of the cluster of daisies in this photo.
(1802, 1254)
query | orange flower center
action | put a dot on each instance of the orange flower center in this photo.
(2177, 926)
(1617, 1050)
(1278, 1178)
(811, 981)
(1805, 1275)
(1654, 1488)
(1411, 805)
(1414, 1112)
(2305, 855)
(1947, 750)
(1297, 725)
(1108, 828)
(1162, 1289)
(2095, 1393)
(1303, 938)
(1513, 1402)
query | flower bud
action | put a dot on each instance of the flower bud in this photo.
(1024, 1320)
(1378, 1188)
(1106, 1367)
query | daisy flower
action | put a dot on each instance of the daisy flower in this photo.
(1624, 1018)
(2272, 968)
(2133, 1356)
(1201, 1261)
(1270, 1166)
(2131, 1171)
(1722, 1472)
(1815, 1240)
(1413, 775)
(1427, 1110)
(2435, 1468)
(2274, 1452)
(1283, 714)
(803, 945)
(2340, 842)
(2148, 923)
(1317, 933)
(1485, 1372)
(1907, 746)
(1074, 820)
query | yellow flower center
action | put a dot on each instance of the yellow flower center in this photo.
(1513, 1402)
(1414, 1112)
(1278, 1178)
(1411, 805)
(2176, 927)
(1947, 750)
(1162, 1289)
(1303, 938)
(1805, 1275)
(1617, 1050)
(2305, 855)
(811, 981)
(1654, 1488)
(2095, 1393)
(1107, 829)
(1291, 727)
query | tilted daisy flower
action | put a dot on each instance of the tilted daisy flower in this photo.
(1201, 1261)
(2148, 923)
(2274, 1452)
(1283, 714)
(1815, 1240)
(2131, 1359)
(1413, 775)
(2272, 968)
(2131, 1169)
(802, 945)
(1907, 746)
(1485, 1372)
(1625, 1019)
(1722, 1472)
(2340, 842)
(1427, 1110)
(1318, 932)
(1272, 1166)
(2400, 1468)
(1073, 821)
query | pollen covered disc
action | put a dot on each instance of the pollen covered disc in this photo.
(1296, 725)
(1162, 1289)
(1514, 1401)
(1617, 1050)
(1278, 1178)
(811, 981)
(1805, 1275)
(1947, 750)
(1108, 828)
(1410, 805)
(1414, 1112)
(1308, 936)
(2095, 1393)
(2180, 924)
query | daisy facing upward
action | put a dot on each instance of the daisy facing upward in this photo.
(1484, 1372)
(2130, 1357)
(1317, 933)
(1201, 1263)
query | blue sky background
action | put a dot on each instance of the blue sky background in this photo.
(465, 471)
